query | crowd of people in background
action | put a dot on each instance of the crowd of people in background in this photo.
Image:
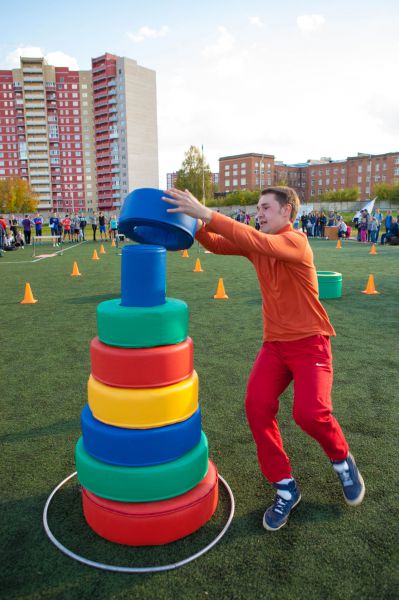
(16, 232)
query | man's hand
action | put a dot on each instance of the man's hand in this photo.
(185, 202)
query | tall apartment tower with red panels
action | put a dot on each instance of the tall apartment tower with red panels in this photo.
(125, 125)
(82, 139)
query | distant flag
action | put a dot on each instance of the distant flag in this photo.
(369, 206)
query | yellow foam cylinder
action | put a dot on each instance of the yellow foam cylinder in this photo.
(143, 408)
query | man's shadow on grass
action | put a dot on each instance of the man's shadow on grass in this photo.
(61, 428)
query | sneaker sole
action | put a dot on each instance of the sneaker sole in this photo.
(360, 497)
(268, 528)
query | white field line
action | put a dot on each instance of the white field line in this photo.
(20, 262)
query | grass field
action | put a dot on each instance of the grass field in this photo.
(328, 550)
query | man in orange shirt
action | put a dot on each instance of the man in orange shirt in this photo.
(296, 341)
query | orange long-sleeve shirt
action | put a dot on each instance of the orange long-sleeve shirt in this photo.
(286, 272)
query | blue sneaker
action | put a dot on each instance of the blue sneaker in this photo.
(277, 515)
(352, 482)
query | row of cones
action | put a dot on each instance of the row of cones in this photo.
(373, 248)
(29, 298)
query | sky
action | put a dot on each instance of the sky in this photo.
(299, 80)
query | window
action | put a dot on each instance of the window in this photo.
(244, 180)
(227, 182)
(359, 168)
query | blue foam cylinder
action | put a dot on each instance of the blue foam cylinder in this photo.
(144, 219)
(143, 278)
(139, 447)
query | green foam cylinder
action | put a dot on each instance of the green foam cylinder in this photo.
(142, 326)
(330, 284)
(142, 484)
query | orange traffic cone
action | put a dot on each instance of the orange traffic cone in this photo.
(95, 255)
(113, 244)
(373, 250)
(75, 270)
(220, 291)
(370, 287)
(338, 245)
(185, 254)
(198, 268)
(102, 249)
(28, 296)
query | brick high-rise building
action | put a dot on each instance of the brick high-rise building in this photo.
(83, 139)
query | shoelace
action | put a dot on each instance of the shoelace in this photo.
(345, 478)
(280, 504)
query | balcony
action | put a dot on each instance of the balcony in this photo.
(112, 83)
(33, 88)
(39, 157)
(114, 161)
(113, 110)
(31, 78)
(35, 113)
(40, 181)
(32, 70)
(112, 101)
(115, 170)
(30, 131)
(37, 148)
(32, 97)
(34, 105)
(113, 119)
(113, 135)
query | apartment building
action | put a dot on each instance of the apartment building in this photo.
(83, 139)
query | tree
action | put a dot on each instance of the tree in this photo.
(344, 195)
(16, 196)
(387, 191)
(193, 172)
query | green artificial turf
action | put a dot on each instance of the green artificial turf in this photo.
(328, 550)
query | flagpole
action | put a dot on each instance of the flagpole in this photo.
(203, 176)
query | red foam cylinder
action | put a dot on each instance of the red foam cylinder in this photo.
(141, 367)
(153, 523)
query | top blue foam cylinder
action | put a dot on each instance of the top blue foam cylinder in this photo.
(143, 277)
(144, 219)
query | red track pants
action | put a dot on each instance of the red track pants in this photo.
(308, 362)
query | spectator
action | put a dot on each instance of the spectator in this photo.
(393, 232)
(54, 222)
(373, 229)
(257, 226)
(14, 226)
(378, 217)
(93, 221)
(388, 221)
(75, 228)
(27, 224)
(113, 225)
(342, 229)
(67, 223)
(103, 229)
(304, 222)
(82, 225)
(3, 224)
(323, 223)
(38, 221)
(363, 225)
(19, 240)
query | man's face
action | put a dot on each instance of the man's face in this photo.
(272, 217)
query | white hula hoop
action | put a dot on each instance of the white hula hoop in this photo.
(105, 567)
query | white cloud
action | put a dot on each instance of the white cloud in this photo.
(60, 59)
(310, 23)
(56, 59)
(147, 32)
(12, 58)
(256, 21)
(223, 45)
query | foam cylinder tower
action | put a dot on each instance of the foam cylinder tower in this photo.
(142, 460)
